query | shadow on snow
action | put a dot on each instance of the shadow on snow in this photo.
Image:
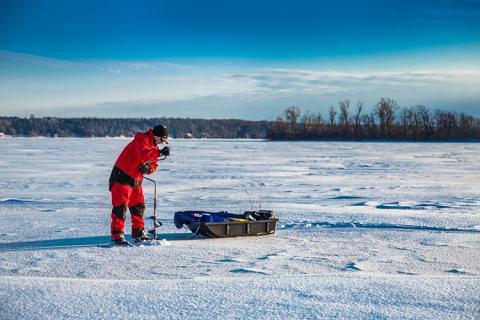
(68, 243)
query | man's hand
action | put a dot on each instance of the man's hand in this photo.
(165, 151)
(144, 168)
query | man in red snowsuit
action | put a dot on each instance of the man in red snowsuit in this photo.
(139, 157)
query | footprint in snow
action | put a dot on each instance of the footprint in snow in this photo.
(456, 271)
(352, 266)
(359, 204)
(227, 260)
(248, 271)
(268, 256)
(346, 197)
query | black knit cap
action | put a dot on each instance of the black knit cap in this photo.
(161, 131)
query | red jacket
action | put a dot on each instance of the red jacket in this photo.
(140, 150)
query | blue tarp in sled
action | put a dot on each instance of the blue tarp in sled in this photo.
(185, 217)
(226, 224)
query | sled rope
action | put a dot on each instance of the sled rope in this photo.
(194, 233)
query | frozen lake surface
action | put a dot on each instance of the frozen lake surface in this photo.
(367, 230)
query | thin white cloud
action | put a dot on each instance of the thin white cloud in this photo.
(320, 82)
(100, 83)
(128, 67)
(22, 60)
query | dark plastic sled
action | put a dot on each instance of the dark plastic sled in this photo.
(233, 228)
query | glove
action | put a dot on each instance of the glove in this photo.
(144, 168)
(165, 151)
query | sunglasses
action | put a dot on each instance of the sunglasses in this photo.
(164, 139)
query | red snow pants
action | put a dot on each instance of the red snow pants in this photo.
(123, 197)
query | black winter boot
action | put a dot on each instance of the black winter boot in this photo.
(121, 241)
(139, 235)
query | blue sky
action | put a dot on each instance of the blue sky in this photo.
(235, 59)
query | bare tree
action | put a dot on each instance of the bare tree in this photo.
(331, 115)
(343, 106)
(317, 123)
(466, 125)
(307, 125)
(385, 110)
(409, 122)
(312, 125)
(357, 119)
(369, 124)
(446, 122)
(424, 120)
(278, 128)
(291, 115)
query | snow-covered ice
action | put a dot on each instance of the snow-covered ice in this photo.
(366, 230)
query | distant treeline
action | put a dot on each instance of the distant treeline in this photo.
(386, 121)
(96, 127)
